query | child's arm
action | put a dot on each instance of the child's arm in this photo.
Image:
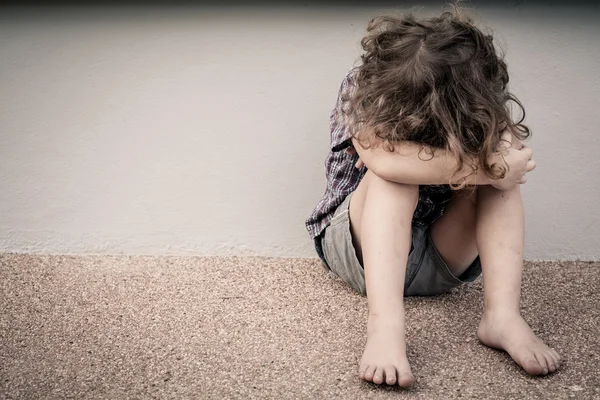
(410, 163)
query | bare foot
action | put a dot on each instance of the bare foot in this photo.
(512, 334)
(384, 358)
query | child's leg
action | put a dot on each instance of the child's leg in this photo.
(500, 239)
(493, 224)
(381, 215)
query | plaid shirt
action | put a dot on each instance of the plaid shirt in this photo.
(343, 177)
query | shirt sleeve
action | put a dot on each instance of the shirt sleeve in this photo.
(340, 135)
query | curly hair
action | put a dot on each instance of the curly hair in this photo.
(438, 82)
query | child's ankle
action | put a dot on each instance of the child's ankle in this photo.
(501, 312)
(386, 321)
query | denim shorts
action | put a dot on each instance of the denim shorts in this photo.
(426, 272)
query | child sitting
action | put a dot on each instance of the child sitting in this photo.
(423, 186)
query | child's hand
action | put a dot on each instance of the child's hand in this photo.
(519, 160)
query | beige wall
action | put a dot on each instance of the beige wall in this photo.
(204, 131)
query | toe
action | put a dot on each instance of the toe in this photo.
(549, 361)
(369, 372)
(390, 375)
(542, 361)
(556, 357)
(531, 365)
(378, 377)
(361, 370)
(405, 379)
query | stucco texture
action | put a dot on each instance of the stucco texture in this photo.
(203, 130)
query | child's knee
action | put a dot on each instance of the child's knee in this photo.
(468, 196)
(403, 192)
(487, 191)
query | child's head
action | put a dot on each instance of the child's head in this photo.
(436, 81)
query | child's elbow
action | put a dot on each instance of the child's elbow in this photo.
(371, 163)
(366, 157)
(378, 168)
(374, 164)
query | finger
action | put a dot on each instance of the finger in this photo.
(522, 180)
(359, 164)
(530, 166)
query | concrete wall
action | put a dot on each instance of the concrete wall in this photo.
(198, 130)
